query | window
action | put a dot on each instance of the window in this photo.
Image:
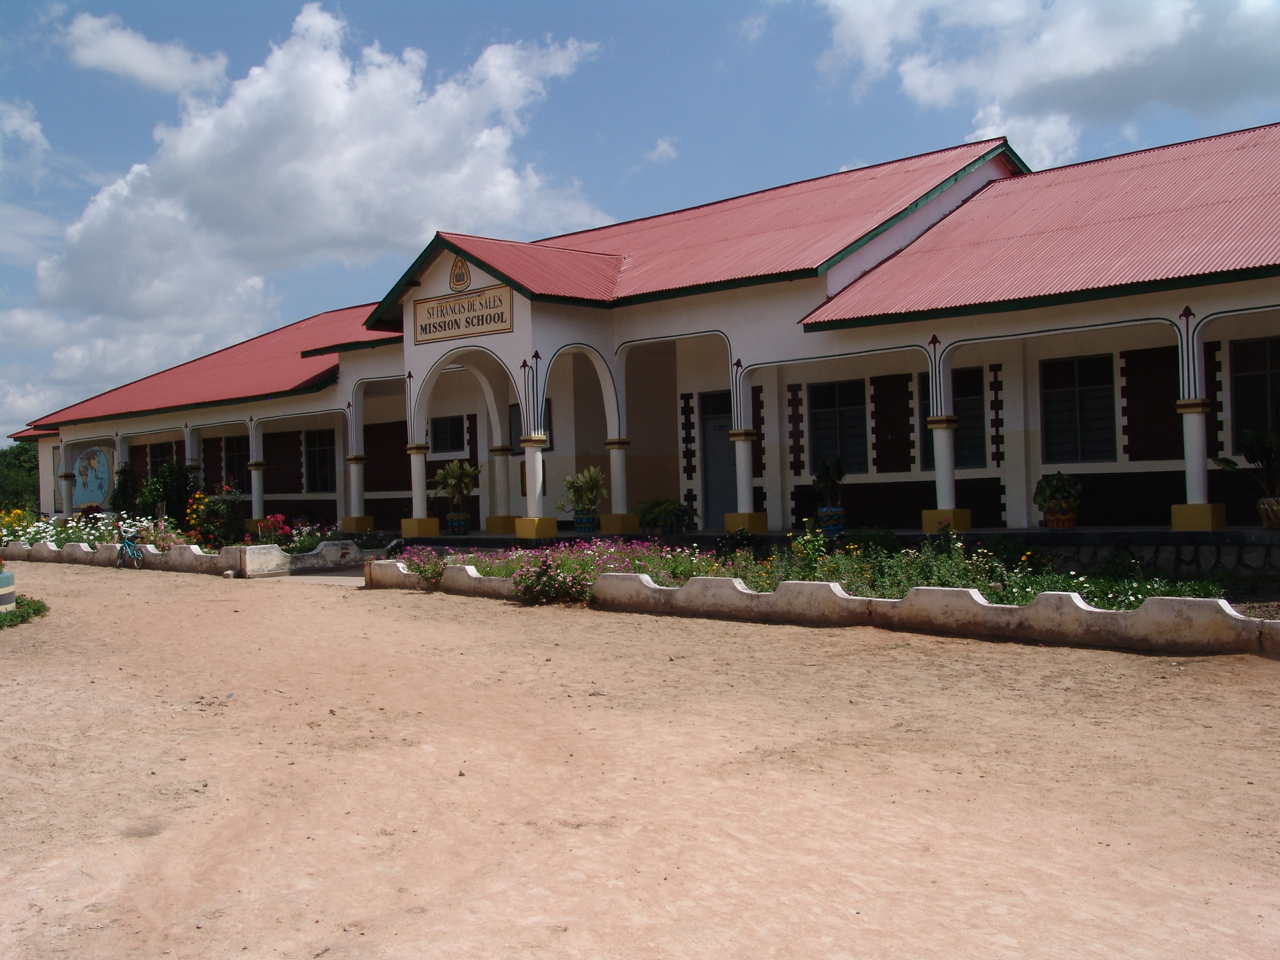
(968, 402)
(235, 462)
(319, 454)
(1077, 409)
(1255, 387)
(838, 416)
(448, 435)
(158, 454)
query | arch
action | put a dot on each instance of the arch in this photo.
(1192, 370)
(355, 438)
(614, 414)
(420, 403)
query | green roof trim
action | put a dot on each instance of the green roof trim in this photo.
(1051, 300)
(1003, 150)
(353, 345)
(323, 381)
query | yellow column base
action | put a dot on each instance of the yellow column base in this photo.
(960, 521)
(1198, 516)
(500, 523)
(535, 528)
(357, 524)
(615, 524)
(750, 522)
(420, 527)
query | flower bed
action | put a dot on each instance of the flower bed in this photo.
(870, 567)
(21, 527)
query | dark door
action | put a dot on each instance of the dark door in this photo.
(719, 478)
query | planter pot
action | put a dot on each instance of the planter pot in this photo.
(7, 592)
(586, 521)
(831, 521)
(459, 522)
(1059, 515)
(1269, 513)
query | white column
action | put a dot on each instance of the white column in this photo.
(500, 464)
(418, 471)
(533, 474)
(617, 447)
(1194, 448)
(742, 440)
(258, 489)
(944, 459)
(355, 485)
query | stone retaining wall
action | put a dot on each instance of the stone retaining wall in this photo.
(1171, 626)
(248, 562)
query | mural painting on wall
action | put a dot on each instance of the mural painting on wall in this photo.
(93, 477)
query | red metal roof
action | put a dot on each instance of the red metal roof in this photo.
(789, 228)
(32, 434)
(266, 366)
(550, 271)
(789, 231)
(1187, 210)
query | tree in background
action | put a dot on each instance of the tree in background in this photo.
(19, 477)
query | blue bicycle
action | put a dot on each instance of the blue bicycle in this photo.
(129, 552)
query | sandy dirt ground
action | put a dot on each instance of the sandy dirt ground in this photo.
(196, 767)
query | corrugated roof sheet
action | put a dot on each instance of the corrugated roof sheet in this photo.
(1182, 211)
(792, 230)
(32, 434)
(785, 229)
(551, 271)
(265, 366)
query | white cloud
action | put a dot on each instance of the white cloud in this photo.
(751, 28)
(664, 149)
(104, 43)
(312, 157)
(22, 142)
(1044, 68)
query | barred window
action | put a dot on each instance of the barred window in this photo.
(320, 451)
(1078, 409)
(448, 435)
(1255, 387)
(235, 462)
(838, 419)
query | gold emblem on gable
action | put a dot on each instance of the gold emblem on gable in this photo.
(459, 276)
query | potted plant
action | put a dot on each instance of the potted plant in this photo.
(584, 491)
(1262, 450)
(455, 481)
(826, 484)
(667, 516)
(1058, 497)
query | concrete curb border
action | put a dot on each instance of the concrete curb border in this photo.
(1172, 626)
(245, 562)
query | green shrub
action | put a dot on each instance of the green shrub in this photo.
(25, 609)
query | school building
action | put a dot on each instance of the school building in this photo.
(951, 325)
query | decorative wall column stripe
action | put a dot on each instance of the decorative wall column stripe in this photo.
(1213, 393)
(996, 386)
(688, 452)
(757, 424)
(795, 428)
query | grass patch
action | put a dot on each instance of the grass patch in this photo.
(25, 609)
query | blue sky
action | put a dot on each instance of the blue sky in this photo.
(177, 176)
